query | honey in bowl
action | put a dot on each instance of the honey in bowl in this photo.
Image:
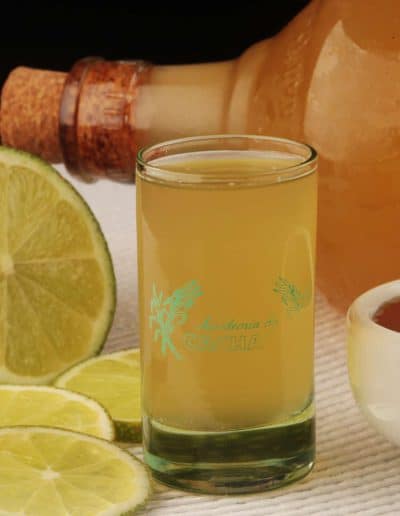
(388, 315)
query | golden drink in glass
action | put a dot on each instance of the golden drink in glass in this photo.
(226, 246)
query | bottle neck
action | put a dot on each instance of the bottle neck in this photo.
(97, 117)
(111, 109)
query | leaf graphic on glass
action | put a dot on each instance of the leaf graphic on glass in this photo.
(290, 295)
(167, 312)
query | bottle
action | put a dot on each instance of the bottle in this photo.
(329, 78)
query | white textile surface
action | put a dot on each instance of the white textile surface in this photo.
(357, 471)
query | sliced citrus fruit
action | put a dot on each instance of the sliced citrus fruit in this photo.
(114, 381)
(27, 405)
(48, 472)
(57, 286)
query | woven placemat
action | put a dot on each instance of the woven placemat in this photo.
(357, 471)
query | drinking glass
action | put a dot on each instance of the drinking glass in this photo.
(226, 252)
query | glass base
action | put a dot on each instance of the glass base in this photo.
(243, 461)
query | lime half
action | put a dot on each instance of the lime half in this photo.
(50, 472)
(28, 405)
(114, 381)
(57, 286)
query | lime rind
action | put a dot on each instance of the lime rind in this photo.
(128, 432)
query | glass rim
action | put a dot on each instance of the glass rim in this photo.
(148, 170)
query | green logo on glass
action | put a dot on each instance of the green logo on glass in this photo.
(168, 312)
(291, 297)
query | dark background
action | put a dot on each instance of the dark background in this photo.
(55, 36)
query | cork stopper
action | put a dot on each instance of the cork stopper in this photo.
(29, 116)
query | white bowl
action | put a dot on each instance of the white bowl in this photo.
(374, 361)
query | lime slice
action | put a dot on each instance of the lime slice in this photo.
(57, 286)
(114, 381)
(48, 472)
(48, 406)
